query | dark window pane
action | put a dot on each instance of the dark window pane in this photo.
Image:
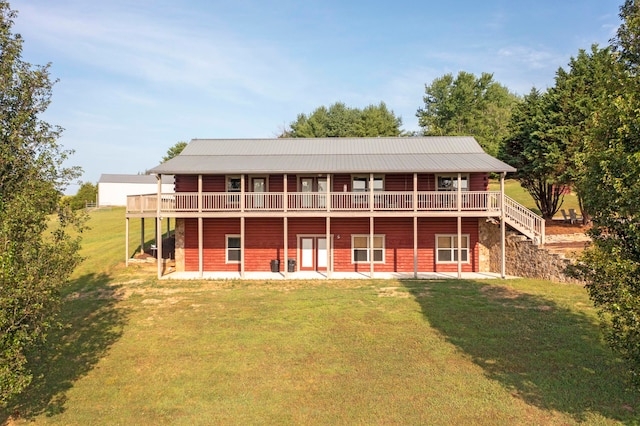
(377, 256)
(360, 255)
(233, 242)
(233, 255)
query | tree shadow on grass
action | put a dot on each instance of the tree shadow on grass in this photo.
(541, 352)
(93, 322)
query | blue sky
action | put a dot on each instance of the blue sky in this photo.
(137, 76)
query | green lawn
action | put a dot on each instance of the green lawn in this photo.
(513, 189)
(147, 352)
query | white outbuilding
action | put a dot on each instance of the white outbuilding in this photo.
(113, 188)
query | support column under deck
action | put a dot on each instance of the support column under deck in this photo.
(459, 203)
(242, 253)
(415, 247)
(126, 242)
(328, 243)
(371, 238)
(415, 225)
(200, 230)
(503, 230)
(159, 227)
(285, 257)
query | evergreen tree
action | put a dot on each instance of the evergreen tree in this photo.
(535, 150)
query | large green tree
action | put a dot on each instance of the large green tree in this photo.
(534, 148)
(36, 258)
(611, 266)
(340, 121)
(467, 106)
(579, 93)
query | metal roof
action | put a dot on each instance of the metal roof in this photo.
(333, 155)
(115, 178)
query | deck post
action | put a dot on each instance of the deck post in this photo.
(415, 247)
(159, 227)
(328, 243)
(142, 235)
(285, 198)
(459, 203)
(415, 225)
(200, 230)
(371, 202)
(371, 238)
(503, 249)
(285, 258)
(126, 242)
(242, 254)
(242, 200)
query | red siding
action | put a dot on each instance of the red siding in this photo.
(340, 181)
(393, 182)
(186, 183)
(264, 242)
(276, 183)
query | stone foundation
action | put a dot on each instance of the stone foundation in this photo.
(523, 258)
(179, 233)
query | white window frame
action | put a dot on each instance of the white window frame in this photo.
(367, 237)
(227, 248)
(454, 182)
(453, 249)
(228, 183)
(376, 178)
(252, 177)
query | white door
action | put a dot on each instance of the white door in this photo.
(307, 255)
(259, 186)
(306, 185)
(322, 253)
(322, 193)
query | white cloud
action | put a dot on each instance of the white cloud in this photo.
(213, 62)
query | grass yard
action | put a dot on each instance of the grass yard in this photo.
(513, 189)
(147, 352)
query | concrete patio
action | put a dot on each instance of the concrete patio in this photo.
(310, 275)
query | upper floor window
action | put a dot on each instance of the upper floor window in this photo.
(233, 184)
(450, 182)
(360, 183)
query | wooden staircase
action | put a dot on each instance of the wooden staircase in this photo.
(524, 220)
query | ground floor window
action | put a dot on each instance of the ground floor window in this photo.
(447, 248)
(234, 251)
(360, 248)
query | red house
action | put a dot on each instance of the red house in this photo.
(336, 205)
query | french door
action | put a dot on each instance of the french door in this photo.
(259, 187)
(313, 253)
(311, 185)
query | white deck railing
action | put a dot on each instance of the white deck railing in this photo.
(313, 201)
(518, 216)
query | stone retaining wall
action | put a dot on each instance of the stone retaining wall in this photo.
(523, 258)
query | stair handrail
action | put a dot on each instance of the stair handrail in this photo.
(524, 220)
